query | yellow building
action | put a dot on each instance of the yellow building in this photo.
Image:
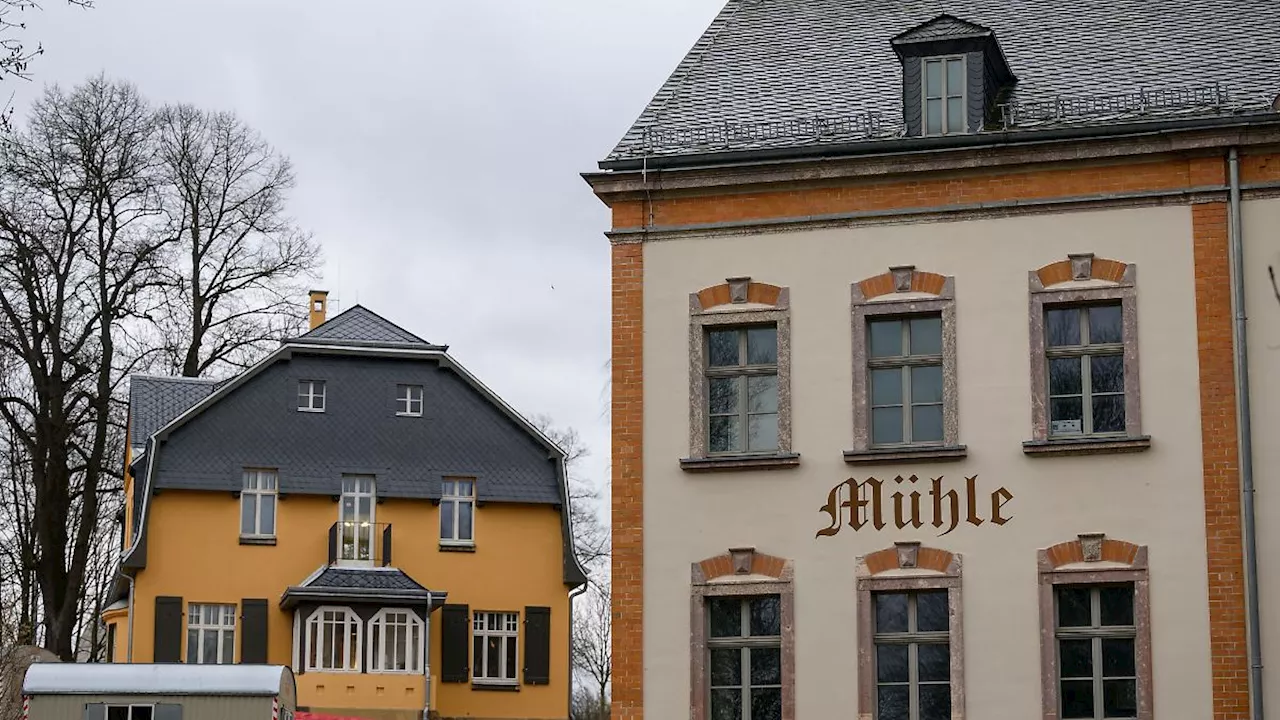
(360, 507)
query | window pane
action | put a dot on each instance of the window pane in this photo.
(762, 432)
(891, 612)
(933, 117)
(726, 617)
(934, 662)
(725, 434)
(892, 702)
(886, 338)
(723, 395)
(926, 384)
(935, 702)
(1105, 325)
(886, 426)
(933, 78)
(766, 616)
(1064, 376)
(141, 713)
(477, 656)
(193, 646)
(464, 520)
(762, 346)
(1077, 699)
(891, 663)
(267, 526)
(1075, 658)
(926, 423)
(1073, 607)
(118, 713)
(493, 648)
(228, 648)
(1106, 373)
(509, 672)
(766, 666)
(1119, 698)
(1117, 658)
(209, 647)
(1117, 605)
(886, 386)
(766, 704)
(955, 77)
(926, 336)
(762, 394)
(446, 519)
(722, 348)
(1065, 416)
(931, 611)
(248, 511)
(955, 115)
(726, 667)
(1108, 414)
(1062, 327)
(726, 704)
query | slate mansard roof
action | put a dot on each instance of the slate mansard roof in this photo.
(830, 64)
(155, 401)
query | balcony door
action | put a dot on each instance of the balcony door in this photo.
(355, 520)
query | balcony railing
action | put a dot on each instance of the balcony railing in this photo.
(360, 544)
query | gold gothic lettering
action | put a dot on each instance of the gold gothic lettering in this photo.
(860, 504)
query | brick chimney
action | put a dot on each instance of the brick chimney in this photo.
(319, 307)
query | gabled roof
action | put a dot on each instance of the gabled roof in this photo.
(154, 401)
(361, 326)
(943, 26)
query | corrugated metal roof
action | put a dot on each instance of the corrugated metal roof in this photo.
(162, 679)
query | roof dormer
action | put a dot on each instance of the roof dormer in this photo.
(953, 71)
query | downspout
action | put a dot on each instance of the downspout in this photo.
(128, 652)
(573, 594)
(1246, 436)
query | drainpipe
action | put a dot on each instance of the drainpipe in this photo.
(1246, 437)
(573, 594)
(128, 651)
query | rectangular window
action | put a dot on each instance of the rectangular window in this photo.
(258, 503)
(944, 96)
(912, 655)
(396, 637)
(493, 655)
(356, 518)
(1096, 638)
(905, 368)
(1084, 347)
(130, 712)
(409, 400)
(310, 396)
(742, 390)
(744, 645)
(457, 512)
(211, 634)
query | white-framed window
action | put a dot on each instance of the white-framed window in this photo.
(457, 512)
(334, 640)
(493, 656)
(258, 503)
(356, 518)
(211, 634)
(944, 95)
(310, 396)
(130, 712)
(395, 642)
(409, 400)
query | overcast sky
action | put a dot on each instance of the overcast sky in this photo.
(437, 145)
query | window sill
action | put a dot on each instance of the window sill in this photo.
(727, 463)
(257, 540)
(936, 453)
(495, 686)
(1087, 446)
(458, 547)
(311, 410)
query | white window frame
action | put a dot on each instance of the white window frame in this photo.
(510, 633)
(258, 484)
(224, 627)
(415, 656)
(311, 396)
(314, 651)
(451, 500)
(946, 97)
(363, 533)
(409, 400)
(130, 708)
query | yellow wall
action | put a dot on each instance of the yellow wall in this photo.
(194, 552)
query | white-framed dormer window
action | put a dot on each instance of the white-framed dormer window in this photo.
(310, 396)
(457, 512)
(211, 634)
(395, 642)
(944, 95)
(409, 400)
(258, 504)
(334, 640)
(493, 656)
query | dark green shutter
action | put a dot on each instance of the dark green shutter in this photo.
(537, 645)
(168, 631)
(95, 711)
(455, 643)
(253, 631)
(165, 711)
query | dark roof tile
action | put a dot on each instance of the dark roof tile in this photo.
(359, 325)
(365, 578)
(155, 401)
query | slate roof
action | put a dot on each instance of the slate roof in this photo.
(767, 61)
(154, 401)
(361, 326)
(365, 579)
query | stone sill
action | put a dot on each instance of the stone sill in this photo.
(937, 453)
(257, 541)
(1087, 446)
(445, 547)
(728, 463)
(495, 687)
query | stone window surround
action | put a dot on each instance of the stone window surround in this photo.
(1048, 287)
(875, 298)
(738, 302)
(1093, 559)
(742, 572)
(908, 567)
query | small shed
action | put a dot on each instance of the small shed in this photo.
(159, 692)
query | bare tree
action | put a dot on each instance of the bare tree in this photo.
(78, 259)
(593, 645)
(242, 259)
(590, 535)
(15, 56)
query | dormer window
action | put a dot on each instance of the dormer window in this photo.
(944, 95)
(311, 396)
